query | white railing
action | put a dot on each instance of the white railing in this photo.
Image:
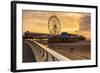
(53, 53)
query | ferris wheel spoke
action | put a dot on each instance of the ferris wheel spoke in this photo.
(54, 25)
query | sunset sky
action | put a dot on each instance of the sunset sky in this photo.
(76, 23)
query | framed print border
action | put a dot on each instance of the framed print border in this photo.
(14, 35)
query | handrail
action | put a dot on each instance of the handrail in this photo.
(40, 58)
(53, 53)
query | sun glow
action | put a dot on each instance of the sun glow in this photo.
(37, 21)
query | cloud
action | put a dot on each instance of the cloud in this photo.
(37, 21)
(85, 23)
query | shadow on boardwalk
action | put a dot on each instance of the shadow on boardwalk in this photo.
(28, 55)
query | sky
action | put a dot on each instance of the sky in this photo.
(71, 22)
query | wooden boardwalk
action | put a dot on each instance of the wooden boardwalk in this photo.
(35, 52)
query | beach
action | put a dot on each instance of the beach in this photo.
(76, 50)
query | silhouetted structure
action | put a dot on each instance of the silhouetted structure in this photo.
(62, 38)
(54, 25)
(65, 37)
(31, 35)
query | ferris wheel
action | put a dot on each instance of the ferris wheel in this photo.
(54, 25)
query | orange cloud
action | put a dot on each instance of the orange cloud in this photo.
(37, 21)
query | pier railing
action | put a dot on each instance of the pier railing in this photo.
(44, 53)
